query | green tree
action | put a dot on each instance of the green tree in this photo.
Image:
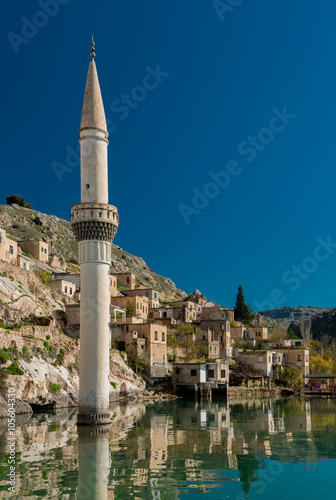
(18, 200)
(242, 311)
(131, 310)
(136, 362)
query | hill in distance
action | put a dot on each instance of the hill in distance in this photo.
(25, 224)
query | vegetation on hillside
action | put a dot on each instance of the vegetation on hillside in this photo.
(18, 200)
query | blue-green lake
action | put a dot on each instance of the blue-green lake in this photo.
(279, 449)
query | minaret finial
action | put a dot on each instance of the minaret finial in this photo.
(92, 53)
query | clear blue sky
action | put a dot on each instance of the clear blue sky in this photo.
(227, 74)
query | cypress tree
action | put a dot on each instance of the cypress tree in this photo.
(242, 311)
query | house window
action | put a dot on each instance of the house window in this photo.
(298, 357)
(127, 279)
(211, 373)
(142, 346)
(11, 249)
(70, 291)
(222, 373)
(193, 373)
(65, 289)
(155, 335)
(0, 237)
(177, 371)
(24, 265)
(164, 314)
(45, 250)
(155, 295)
(42, 249)
(163, 336)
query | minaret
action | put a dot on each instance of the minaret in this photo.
(94, 224)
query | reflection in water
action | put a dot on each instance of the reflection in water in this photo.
(246, 449)
(93, 462)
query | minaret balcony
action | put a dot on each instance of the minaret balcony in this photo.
(94, 221)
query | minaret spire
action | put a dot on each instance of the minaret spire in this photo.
(92, 53)
(94, 223)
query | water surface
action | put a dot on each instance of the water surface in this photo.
(266, 449)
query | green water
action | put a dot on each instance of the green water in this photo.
(255, 449)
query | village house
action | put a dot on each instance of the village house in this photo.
(126, 280)
(150, 293)
(270, 360)
(240, 333)
(185, 310)
(113, 286)
(296, 358)
(163, 316)
(151, 342)
(10, 252)
(36, 248)
(72, 278)
(260, 360)
(64, 286)
(216, 312)
(200, 378)
(138, 303)
(23, 262)
(10, 249)
(219, 343)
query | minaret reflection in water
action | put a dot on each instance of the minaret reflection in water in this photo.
(93, 462)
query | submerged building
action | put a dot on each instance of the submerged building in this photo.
(94, 223)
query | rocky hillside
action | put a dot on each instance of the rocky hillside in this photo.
(23, 223)
(321, 325)
(288, 314)
(320, 321)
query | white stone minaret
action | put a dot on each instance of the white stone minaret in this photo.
(94, 224)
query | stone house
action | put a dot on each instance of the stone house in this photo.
(259, 359)
(113, 286)
(163, 316)
(185, 310)
(151, 342)
(65, 287)
(199, 376)
(10, 249)
(72, 278)
(217, 313)
(126, 279)
(23, 262)
(10, 252)
(240, 333)
(296, 358)
(150, 293)
(36, 248)
(2, 244)
(139, 303)
(219, 343)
